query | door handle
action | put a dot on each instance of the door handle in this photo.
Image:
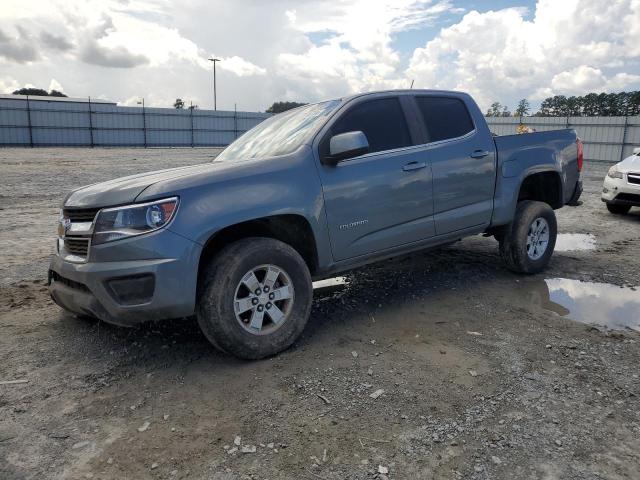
(479, 154)
(414, 166)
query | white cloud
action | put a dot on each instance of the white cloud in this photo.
(288, 50)
(18, 47)
(240, 66)
(578, 80)
(134, 101)
(623, 81)
(565, 49)
(55, 85)
(589, 79)
(357, 53)
(8, 85)
(291, 16)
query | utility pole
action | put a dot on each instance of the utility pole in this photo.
(214, 60)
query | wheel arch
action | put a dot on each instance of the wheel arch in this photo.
(545, 186)
(292, 229)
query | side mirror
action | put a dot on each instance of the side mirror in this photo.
(636, 151)
(346, 145)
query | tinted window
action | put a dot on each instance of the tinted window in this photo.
(382, 121)
(444, 117)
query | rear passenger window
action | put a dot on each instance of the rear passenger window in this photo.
(444, 117)
(382, 121)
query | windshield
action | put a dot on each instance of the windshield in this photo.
(280, 134)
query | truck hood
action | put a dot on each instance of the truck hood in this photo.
(630, 164)
(126, 189)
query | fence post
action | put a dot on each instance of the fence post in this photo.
(191, 115)
(624, 137)
(144, 124)
(235, 121)
(90, 123)
(29, 122)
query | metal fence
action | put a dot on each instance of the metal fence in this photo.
(43, 121)
(607, 139)
(29, 122)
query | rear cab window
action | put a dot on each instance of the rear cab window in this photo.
(444, 117)
(381, 120)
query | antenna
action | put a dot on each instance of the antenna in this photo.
(411, 87)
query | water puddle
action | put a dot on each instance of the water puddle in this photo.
(593, 303)
(571, 242)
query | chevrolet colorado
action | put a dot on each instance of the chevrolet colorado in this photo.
(305, 194)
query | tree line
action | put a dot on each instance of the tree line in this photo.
(179, 104)
(277, 107)
(590, 105)
(38, 92)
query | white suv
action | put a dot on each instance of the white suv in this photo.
(621, 189)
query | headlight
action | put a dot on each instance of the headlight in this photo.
(614, 173)
(130, 220)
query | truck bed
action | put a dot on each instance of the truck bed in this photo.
(524, 154)
(544, 143)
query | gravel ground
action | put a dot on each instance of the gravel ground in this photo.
(435, 365)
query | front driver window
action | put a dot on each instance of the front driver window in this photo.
(381, 120)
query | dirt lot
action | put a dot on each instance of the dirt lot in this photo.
(483, 373)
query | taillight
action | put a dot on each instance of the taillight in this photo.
(580, 154)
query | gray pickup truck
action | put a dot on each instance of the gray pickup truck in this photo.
(304, 195)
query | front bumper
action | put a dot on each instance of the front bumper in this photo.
(117, 287)
(619, 191)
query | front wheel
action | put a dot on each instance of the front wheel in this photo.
(255, 298)
(527, 246)
(618, 209)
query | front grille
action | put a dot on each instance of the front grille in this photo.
(80, 214)
(76, 246)
(633, 178)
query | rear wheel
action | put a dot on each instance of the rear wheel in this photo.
(255, 298)
(618, 209)
(527, 245)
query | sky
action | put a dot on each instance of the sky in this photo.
(306, 51)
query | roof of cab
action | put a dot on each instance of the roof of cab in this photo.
(404, 92)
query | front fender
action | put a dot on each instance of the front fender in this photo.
(289, 186)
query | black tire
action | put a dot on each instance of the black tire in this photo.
(216, 298)
(513, 244)
(618, 209)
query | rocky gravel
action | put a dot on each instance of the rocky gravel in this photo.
(436, 365)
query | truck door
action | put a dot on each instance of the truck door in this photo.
(383, 198)
(462, 161)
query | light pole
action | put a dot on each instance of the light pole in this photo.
(214, 60)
